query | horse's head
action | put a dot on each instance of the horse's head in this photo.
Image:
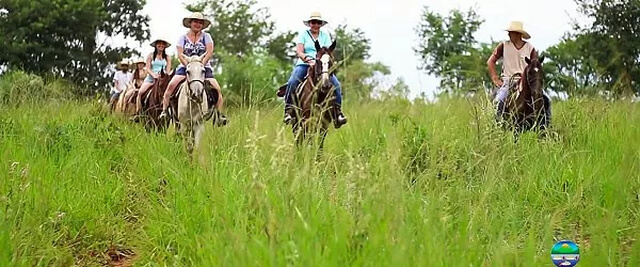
(534, 75)
(195, 77)
(324, 65)
(163, 80)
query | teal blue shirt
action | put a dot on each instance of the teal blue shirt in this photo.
(158, 64)
(304, 37)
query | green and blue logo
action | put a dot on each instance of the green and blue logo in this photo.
(565, 253)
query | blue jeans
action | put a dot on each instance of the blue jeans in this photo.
(296, 78)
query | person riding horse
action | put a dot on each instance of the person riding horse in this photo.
(157, 61)
(195, 42)
(121, 79)
(513, 54)
(306, 52)
(139, 72)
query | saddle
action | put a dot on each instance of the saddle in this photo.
(131, 98)
(282, 90)
(212, 96)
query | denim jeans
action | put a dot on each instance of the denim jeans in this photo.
(297, 77)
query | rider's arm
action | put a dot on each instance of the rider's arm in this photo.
(167, 68)
(491, 63)
(300, 47)
(115, 81)
(209, 44)
(181, 56)
(147, 68)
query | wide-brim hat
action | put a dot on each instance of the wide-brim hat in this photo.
(123, 64)
(516, 26)
(315, 16)
(139, 60)
(153, 44)
(195, 15)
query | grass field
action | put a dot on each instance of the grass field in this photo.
(400, 185)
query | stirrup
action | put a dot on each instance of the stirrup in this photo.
(287, 118)
(164, 114)
(208, 114)
(221, 119)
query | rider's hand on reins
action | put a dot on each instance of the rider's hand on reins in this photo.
(497, 82)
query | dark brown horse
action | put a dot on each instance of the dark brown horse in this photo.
(525, 106)
(314, 100)
(152, 103)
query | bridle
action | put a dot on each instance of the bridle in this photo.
(190, 81)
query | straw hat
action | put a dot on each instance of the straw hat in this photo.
(139, 60)
(124, 64)
(195, 15)
(516, 26)
(153, 44)
(315, 16)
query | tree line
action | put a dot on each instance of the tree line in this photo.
(70, 39)
(600, 57)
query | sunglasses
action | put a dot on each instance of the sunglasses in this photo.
(315, 22)
(199, 21)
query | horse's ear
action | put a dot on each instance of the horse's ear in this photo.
(541, 59)
(333, 45)
(186, 57)
(317, 45)
(526, 59)
(202, 58)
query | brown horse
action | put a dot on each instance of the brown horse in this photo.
(124, 105)
(525, 106)
(152, 103)
(314, 100)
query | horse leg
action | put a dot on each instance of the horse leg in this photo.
(197, 134)
(189, 134)
(323, 136)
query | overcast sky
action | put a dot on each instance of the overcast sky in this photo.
(390, 24)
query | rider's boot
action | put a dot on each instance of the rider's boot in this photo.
(288, 118)
(341, 119)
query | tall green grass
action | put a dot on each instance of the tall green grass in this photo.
(401, 185)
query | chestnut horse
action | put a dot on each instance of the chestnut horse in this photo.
(152, 103)
(314, 100)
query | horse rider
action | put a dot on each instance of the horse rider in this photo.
(513, 53)
(121, 80)
(306, 53)
(158, 60)
(139, 72)
(195, 42)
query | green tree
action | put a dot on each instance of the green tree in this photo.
(613, 42)
(399, 90)
(238, 26)
(359, 78)
(66, 38)
(282, 46)
(448, 50)
(568, 69)
(352, 45)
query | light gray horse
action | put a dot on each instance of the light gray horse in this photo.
(192, 103)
